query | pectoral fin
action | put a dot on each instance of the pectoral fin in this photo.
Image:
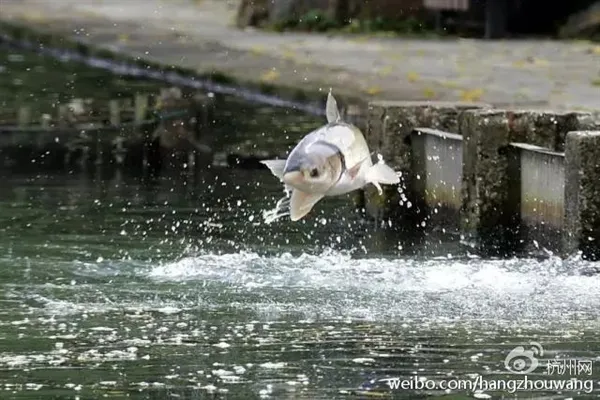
(354, 170)
(276, 167)
(381, 173)
(301, 203)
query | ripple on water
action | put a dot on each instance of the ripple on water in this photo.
(548, 290)
(306, 327)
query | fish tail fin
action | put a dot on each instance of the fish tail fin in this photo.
(382, 173)
(276, 167)
(331, 109)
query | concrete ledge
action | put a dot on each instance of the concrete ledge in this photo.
(389, 127)
(491, 197)
(391, 122)
(500, 175)
(582, 193)
(540, 177)
(437, 174)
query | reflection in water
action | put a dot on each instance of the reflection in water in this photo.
(112, 287)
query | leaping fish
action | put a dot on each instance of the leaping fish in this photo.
(329, 161)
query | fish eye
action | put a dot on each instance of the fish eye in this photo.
(314, 173)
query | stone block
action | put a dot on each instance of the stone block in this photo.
(389, 127)
(490, 198)
(390, 124)
(582, 194)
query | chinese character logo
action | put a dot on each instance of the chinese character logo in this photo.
(521, 361)
(569, 367)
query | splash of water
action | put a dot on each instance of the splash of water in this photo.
(471, 289)
(281, 209)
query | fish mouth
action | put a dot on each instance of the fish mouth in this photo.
(293, 178)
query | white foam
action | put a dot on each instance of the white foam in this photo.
(335, 284)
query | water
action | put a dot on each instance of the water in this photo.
(175, 289)
(115, 287)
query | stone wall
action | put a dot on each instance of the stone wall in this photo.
(496, 145)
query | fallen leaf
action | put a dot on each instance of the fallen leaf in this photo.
(384, 71)
(471, 95)
(541, 62)
(412, 76)
(257, 50)
(429, 93)
(373, 90)
(449, 84)
(270, 76)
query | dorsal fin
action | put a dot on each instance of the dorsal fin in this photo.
(331, 109)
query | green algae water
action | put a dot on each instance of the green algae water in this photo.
(116, 287)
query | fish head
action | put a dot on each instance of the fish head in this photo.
(314, 169)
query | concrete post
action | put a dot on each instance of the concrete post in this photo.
(490, 194)
(389, 127)
(582, 194)
(487, 213)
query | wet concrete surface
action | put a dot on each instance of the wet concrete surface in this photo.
(201, 35)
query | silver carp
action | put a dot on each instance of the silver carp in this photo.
(329, 161)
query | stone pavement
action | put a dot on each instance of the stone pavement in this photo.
(200, 35)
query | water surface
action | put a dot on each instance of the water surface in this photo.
(176, 289)
(117, 287)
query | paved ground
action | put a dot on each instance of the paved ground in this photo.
(200, 35)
